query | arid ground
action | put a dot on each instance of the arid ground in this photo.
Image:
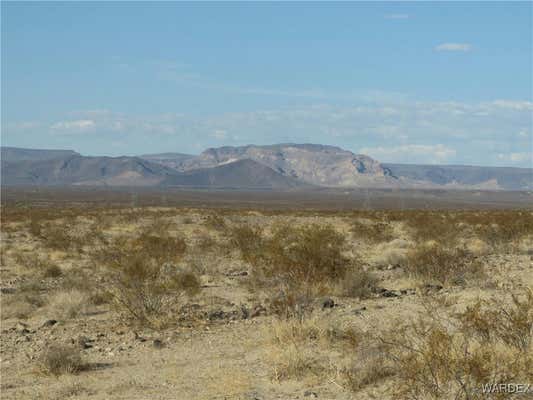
(177, 300)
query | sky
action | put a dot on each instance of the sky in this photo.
(411, 82)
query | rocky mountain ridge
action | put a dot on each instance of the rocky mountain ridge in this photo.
(276, 167)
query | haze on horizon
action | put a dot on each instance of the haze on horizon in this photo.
(445, 83)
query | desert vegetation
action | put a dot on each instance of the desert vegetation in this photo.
(243, 303)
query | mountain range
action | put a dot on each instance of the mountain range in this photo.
(272, 167)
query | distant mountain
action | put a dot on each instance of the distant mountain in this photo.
(462, 176)
(276, 167)
(241, 174)
(18, 154)
(172, 160)
(79, 170)
(135, 171)
(311, 163)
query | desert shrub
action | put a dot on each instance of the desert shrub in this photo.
(433, 225)
(294, 347)
(215, 222)
(442, 265)
(27, 298)
(367, 371)
(288, 302)
(500, 227)
(205, 243)
(21, 305)
(372, 231)
(496, 228)
(162, 249)
(249, 241)
(305, 255)
(61, 359)
(358, 283)
(35, 227)
(437, 357)
(57, 237)
(187, 220)
(491, 322)
(298, 263)
(38, 265)
(390, 253)
(143, 280)
(68, 304)
(52, 271)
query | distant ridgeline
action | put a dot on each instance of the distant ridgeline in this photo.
(273, 167)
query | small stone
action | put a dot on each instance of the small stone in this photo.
(328, 303)
(158, 344)
(389, 293)
(218, 314)
(85, 342)
(138, 337)
(22, 328)
(359, 311)
(50, 322)
(257, 311)
(311, 394)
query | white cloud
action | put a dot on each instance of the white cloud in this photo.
(73, 126)
(519, 157)
(22, 125)
(407, 131)
(412, 153)
(219, 134)
(514, 105)
(396, 16)
(464, 47)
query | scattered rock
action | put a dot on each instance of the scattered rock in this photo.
(389, 293)
(85, 342)
(386, 292)
(257, 311)
(359, 311)
(7, 290)
(158, 344)
(328, 303)
(21, 327)
(47, 323)
(310, 394)
(430, 287)
(217, 314)
(237, 273)
(139, 338)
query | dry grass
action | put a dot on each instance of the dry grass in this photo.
(139, 266)
(144, 280)
(295, 264)
(68, 304)
(436, 357)
(61, 359)
(215, 222)
(372, 231)
(434, 263)
(27, 299)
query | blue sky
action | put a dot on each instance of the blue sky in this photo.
(446, 83)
